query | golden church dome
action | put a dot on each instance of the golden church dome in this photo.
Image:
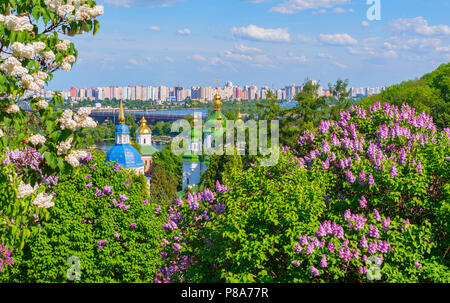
(143, 129)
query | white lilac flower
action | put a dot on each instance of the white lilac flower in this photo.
(1, 133)
(64, 147)
(14, 23)
(65, 9)
(63, 45)
(39, 46)
(42, 104)
(12, 109)
(13, 67)
(73, 157)
(25, 190)
(43, 201)
(66, 66)
(37, 139)
(49, 55)
(21, 50)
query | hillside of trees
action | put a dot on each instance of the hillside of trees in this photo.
(430, 93)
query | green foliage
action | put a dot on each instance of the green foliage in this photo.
(431, 94)
(219, 166)
(79, 220)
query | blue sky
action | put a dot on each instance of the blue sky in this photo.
(261, 42)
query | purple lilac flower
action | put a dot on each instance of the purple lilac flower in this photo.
(372, 248)
(349, 176)
(220, 208)
(89, 185)
(393, 171)
(331, 247)
(98, 193)
(373, 231)
(363, 270)
(371, 180)
(363, 202)
(404, 227)
(347, 214)
(205, 215)
(314, 271)
(176, 247)
(101, 243)
(298, 248)
(363, 242)
(361, 178)
(323, 262)
(117, 167)
(325, 147)
(93, 166)
(402, 158)
(89, 158)
(127, 183)
(419, 167)
(326, 164)
(383, 246)
(158, 209)
(386, 223)
(192, 201)
(303, 240)
(418, 265)
(376, 215)
(5, 257)
(133, 225)
(107, 190)
(123, 198)
(116, 235)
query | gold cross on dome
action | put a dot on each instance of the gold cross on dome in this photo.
(217, 81)
(194, 103)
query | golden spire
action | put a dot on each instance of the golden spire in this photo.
(239, 114)
(121, 114)
(217, 100)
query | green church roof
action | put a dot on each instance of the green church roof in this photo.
(148, 150)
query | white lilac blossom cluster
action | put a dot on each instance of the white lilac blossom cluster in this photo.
(12, 109)
(13, 67)
(42, 104)
(80, 120)
(15, 23)
(73, 158)
(25, 189)
(43, 200)
(28, 51)
(82, 11)
(64, 147)
(37, 139)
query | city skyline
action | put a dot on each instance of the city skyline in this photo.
(229, 91)
(191, 42)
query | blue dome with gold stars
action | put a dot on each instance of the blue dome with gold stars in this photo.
(123, 153)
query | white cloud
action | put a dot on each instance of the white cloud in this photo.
(320, 12)
(247, 49)
(252, 32)
(170, 59)
(419, 26)
(133, 61)
(184, 32)
(296, 6)
(144, 3)
(237, 57)
(443, 48)
(365, 24)
(337, 39)
(291, 57)
(154, 28)
(197, 57)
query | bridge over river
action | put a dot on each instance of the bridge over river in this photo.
(100, 115)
